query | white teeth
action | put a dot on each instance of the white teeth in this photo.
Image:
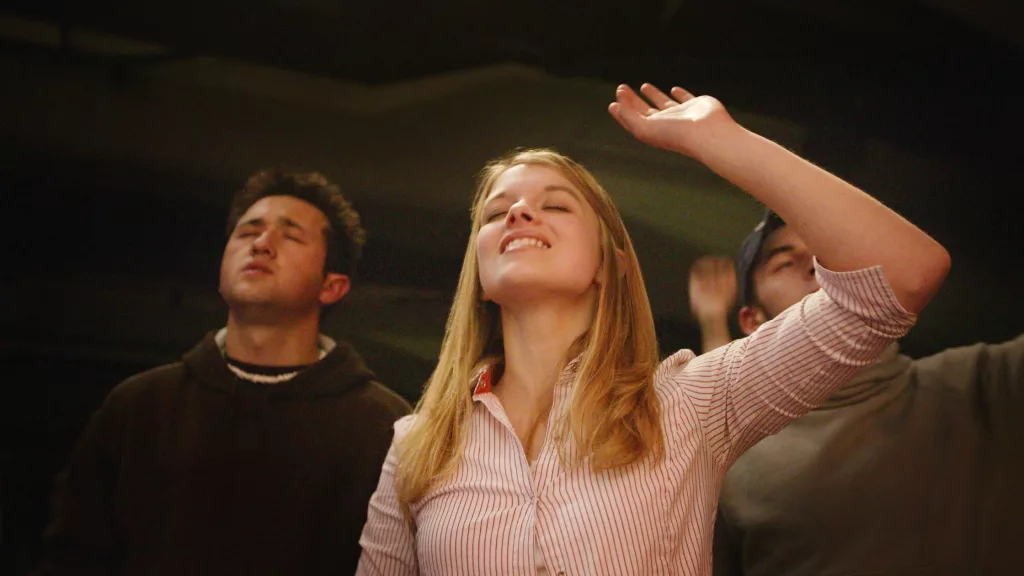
(518, 242)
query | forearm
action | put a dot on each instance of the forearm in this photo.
(714, 332)
(844, 227)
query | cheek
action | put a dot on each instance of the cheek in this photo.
(486, 248)
(229, 262)
(770, 293)
(228, 258)
(588, 251)
(595, 252)
(312, 263)
(588, 239)
(781, 293)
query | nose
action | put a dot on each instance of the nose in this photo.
(263, 244)
(520, 212)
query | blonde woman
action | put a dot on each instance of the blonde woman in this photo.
(550, 440)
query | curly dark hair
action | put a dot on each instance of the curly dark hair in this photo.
(344, 235)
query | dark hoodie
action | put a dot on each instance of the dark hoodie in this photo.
(188, 469)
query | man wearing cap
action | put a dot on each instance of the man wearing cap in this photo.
(914, 467)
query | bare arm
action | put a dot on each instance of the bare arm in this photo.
(844, 227)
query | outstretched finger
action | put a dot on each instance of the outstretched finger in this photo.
(659, 98)
(617, 112)
(680, 95)
(632, 101)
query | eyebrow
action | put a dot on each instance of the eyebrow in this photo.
(571, 191)
(285, 221)
(289, 223)
(253, 222)
(548, 188)
(785, 248)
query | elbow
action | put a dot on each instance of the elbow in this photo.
(929, 275)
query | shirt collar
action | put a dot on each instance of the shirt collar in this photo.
(483, 381)
(324, 343)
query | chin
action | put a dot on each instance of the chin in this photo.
(526, 290)
(243, 296)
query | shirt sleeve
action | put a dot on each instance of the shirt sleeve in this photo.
(388, 543)
(754, 386)
(989, 376)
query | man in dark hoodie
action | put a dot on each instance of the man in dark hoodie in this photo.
(258, 452)
(914, 467)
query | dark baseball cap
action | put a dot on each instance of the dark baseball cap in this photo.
(749, 251)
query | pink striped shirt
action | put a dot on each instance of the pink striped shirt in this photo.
(499, 515)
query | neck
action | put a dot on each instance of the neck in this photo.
(537, 339)
(273, 344)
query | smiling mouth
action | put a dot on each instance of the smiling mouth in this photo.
(525, 243)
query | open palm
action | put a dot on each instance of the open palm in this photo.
(712, 287)
(675, 122)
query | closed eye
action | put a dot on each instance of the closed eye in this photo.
(558, 208)
(493, 215)
(783, 266)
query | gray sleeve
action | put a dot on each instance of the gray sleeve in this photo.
(991, 376)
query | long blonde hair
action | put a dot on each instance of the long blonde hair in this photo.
(614, 416)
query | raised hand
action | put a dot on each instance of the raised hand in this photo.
(678, 122)
(712, 295)
(712, 287)
(841, 225)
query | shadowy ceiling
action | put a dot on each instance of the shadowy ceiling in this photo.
(858, 64)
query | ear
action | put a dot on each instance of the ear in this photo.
(751, 318)
(334, 288)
